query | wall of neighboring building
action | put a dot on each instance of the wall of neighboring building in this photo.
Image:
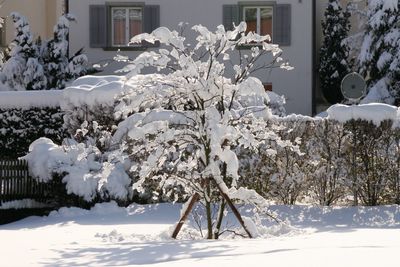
(41, 14)
(296, 85)
(354, 20)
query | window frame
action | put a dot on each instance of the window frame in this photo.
(3, 35)
(259, 7)
(110, 31)
(127, 37)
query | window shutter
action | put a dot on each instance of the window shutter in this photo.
(282, 24)
(230, 15)
(151, 21)
(151, 18)
(98, 25)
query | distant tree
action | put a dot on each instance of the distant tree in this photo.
(379, 59)
(334, 64)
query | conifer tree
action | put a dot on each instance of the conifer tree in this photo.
(38, 65)
(334, 64)
(21, 49)
(379, 58)
(57, 53)
(34, 78)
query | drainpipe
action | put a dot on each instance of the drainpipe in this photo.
(314, 56)
(66, 6)
(66, 11)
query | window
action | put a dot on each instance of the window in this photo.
(125, 23)
(112, 25)
(259, 19)
(262, 17)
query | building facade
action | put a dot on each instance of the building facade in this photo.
(104, 27)
(41, 14)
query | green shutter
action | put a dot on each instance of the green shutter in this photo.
(282, 24)
(151, 18)
(230, 16)
(98, 26)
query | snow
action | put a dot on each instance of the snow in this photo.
(30, 99)
(43, 157)
(21, 204)
(93, 90)
(139, 235)
(87, 91)
(378, 93)
(374, 112)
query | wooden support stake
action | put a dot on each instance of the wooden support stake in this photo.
(235, 211)
(196, 198)
(184, 216)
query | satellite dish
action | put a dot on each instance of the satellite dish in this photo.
(353, 86)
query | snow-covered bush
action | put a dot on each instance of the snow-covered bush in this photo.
(334, 53)
(37, 65)
(84, 174)
(379, 58)
(276, 104)
(266, 170)
(194, 123)
(177, 130)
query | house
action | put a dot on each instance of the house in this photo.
(105, 26)
(41, 14)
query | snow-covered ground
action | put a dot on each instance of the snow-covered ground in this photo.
(138, 235)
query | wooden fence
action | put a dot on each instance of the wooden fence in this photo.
(16, 184)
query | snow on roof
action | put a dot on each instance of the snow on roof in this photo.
(374, 112)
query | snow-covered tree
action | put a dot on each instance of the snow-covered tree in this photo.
(22, 48)
(59, 67)
(334, 52)
(34, 78)
(184, 133)
(379, 59)
(37, 65)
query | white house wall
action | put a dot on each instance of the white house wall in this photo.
(296, 85)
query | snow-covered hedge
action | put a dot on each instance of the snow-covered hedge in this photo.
(194, 131)
(349, 157)
(27, 116)
(351, 154)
